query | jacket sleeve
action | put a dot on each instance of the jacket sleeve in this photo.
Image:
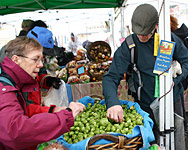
(33, 109)
(112, 78)
(181, 55)
(33, 103)
(41, 79)
(18, 131)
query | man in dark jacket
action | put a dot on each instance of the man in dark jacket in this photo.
(144, 24)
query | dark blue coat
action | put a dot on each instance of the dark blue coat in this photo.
(145, 63)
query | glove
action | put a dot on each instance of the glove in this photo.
(53, 81)
(176, 69)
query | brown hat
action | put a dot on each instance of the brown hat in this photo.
(144, 19)
(27, 23)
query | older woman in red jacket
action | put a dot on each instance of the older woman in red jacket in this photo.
(18, 131)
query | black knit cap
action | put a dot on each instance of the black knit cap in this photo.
(144, 19)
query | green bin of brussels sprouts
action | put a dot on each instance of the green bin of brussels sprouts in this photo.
(93, 121)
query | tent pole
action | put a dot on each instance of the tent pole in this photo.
(166, 111)
(122, 23)
(123, 19)
(112, 28)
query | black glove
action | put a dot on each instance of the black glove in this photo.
(65, 58)
(53, 81)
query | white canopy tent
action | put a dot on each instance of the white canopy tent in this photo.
(60, 22)
(86, 21)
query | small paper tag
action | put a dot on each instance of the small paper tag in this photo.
(164, 57)
(81, 70)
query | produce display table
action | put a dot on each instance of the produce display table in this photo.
(95, 88)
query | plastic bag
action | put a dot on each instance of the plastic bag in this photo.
(56, 97)
(155, 108)
(179, 137)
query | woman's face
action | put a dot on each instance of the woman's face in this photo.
(72, 38)
(31, 62)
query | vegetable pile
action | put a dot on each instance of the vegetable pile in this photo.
(93, 121)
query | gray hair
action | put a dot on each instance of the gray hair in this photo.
(21, 46)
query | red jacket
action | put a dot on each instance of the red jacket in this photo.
(17, 130)
(34, 99)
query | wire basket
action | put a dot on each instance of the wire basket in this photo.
(118, 142)
(97, 97)
(95, 76)
(99, 51)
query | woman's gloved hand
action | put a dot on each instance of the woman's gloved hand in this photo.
(53, 81)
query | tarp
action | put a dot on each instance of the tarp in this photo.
(18, 6)
(145, 131)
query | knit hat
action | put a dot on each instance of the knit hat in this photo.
(86, 44)
(27, 23)
(43, 36)
(144, 19)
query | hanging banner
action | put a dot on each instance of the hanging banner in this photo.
(164, 57)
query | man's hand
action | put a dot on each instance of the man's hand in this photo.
(115, 113)
(76, 108)
(176, 69)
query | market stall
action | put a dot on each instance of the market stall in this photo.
(79, 74)
(92, 69)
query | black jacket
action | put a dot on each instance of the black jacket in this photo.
(145, 64)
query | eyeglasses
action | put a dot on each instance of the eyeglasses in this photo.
(36, 60)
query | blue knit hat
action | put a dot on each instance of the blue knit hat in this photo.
(43, 36)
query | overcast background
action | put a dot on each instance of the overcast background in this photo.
(88, 24)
